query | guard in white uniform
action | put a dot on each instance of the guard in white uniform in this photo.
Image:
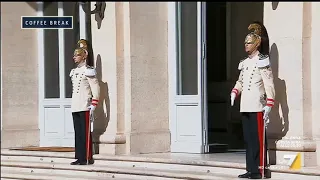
(256, 87)
(85, 96)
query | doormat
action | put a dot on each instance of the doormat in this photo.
(47, 149)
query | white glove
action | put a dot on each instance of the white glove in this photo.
(91, 108)
(266, 111)
(233, 96)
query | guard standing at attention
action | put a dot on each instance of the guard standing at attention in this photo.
(256, 86)
(85, 96)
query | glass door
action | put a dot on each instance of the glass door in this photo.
(186, 77)
(56, 48)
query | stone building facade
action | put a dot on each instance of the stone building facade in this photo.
(145, 108)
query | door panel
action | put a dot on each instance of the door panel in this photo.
(185, 78)
(186, 122)
(51, 55)
(68, 125)
(53, 122)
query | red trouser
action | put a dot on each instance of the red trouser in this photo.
(253, 127)
(83, 138)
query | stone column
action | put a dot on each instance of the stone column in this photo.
(20, 123)
(108, 127)
(145, 77)
(315, 74)
(130, 50)
(288, 28)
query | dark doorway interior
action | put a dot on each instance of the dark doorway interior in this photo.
(226, 28)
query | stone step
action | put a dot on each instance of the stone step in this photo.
(33, 173)
(55, 169)
(182, 161)
(141, 166)
(36, 176)
(148, 172)
(117, 164)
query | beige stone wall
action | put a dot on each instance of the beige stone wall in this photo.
(130, 50)
(293, 40)
(20, 77)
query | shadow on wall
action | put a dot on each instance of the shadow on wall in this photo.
(275, 5)
(279, 123)
(102, 112)
(100, 15)
(34, 5)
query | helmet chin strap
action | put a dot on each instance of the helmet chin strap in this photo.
(254, 49)
(253, 53)
(80, 64)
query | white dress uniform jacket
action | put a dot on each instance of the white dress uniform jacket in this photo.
(86, 89)
(255, 84)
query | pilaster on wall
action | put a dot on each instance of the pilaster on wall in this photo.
(145, 76)
(130, 50)
(108, 131)
(309, 158)
(291, 128)
(315, 74)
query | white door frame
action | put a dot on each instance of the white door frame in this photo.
(197, 143)
(202, 17)
(62, 102)
(40, 33)
(82, 21)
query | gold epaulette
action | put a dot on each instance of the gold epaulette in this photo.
(90, 67)
(263, 56)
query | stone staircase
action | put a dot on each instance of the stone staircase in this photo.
(33, 165)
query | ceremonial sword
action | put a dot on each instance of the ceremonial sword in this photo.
(265, 153)
(90, 130)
